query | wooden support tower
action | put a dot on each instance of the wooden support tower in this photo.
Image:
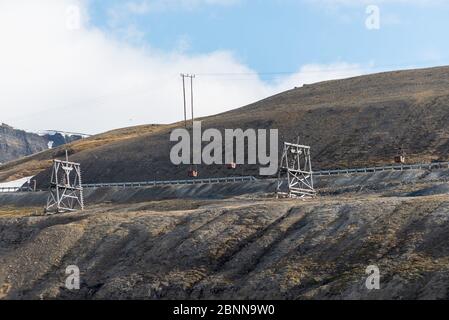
(295, 169)
(66, 190)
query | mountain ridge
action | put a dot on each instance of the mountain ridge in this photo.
(16, 143)
(360, 121)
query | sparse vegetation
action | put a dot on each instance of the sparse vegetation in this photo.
(17, 212)
(241, 249)
(355, 122)
(190, 244)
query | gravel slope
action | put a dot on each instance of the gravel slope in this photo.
(354, 122)
(241, 249)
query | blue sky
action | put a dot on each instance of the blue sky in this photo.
(283, 35)
(112, 64)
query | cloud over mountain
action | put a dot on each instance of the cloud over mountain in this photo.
(58, 74)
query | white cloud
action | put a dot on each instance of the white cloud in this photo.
(87, 81)
(141, 7)
(146, 6)
(377, 2)
(120, 14)
(313, 73)
(355, 11)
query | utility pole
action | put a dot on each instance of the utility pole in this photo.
(191, 95)
(191, 76)
(184, 95)
(193, 172)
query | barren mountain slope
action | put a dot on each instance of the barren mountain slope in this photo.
(353, 122)
(235, 249)
(17, 143)
(38, 162)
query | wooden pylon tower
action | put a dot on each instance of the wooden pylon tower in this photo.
(66, 190)
(295, 169)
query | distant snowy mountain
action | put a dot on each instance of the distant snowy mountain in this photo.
(15, 143)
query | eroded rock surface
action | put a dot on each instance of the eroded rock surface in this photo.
(235, 248)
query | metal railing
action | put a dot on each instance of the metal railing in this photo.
(15, 189)
(169, 182)
(424, 166)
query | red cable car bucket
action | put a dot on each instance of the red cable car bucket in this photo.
(193, 173)
(231, 165)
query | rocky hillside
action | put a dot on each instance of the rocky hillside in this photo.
(241, 249)
(353, 122)
(18, 143)
(15, 144)
(235, 241)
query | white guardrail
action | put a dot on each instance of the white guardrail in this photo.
(169, 182)
(14, 189)
(428, 166)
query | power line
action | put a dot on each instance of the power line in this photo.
(230, 76)
(369, 67)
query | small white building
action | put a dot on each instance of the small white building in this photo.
(14, 185)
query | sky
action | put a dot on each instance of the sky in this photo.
(89, 66)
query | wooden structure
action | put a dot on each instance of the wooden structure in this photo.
(66, 190)
(295, 169)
